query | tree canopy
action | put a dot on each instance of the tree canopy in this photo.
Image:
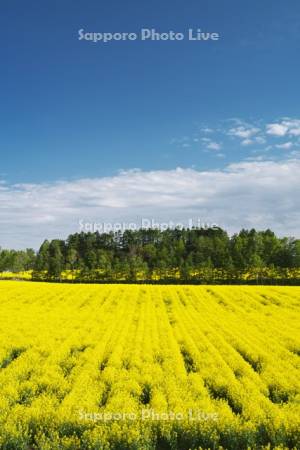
(170, 254)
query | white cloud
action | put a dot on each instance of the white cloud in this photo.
(260, 140)
(294, 132)
(252, 193)
(243, 131)
(246, 142)
(284, 127)
(277, 129)
(293, 126)
(210, 144)
(247, 133)
(285, 146)
(214, 146)
(255, 134)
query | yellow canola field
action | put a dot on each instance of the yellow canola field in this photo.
(148, 367)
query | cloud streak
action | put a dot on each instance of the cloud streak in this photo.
(257, 194)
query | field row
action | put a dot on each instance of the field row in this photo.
(148, 367)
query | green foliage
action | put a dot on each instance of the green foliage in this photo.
(16, 261)
(178, 254)
(209, 255)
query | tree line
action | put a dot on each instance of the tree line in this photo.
(17, 260)
(154, 255)
(173, 254)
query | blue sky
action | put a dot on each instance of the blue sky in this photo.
(75, 110)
